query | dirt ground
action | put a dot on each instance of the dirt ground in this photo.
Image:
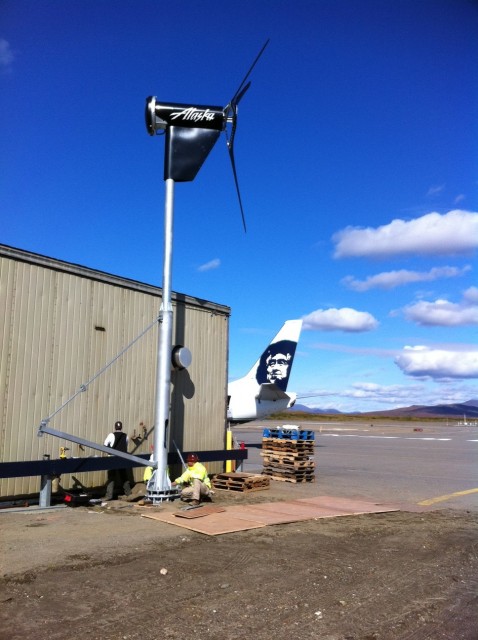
(92, 572)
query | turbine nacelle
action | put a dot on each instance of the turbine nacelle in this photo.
(192, 131)
(162, 115)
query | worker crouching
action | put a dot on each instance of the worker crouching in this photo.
(196, 482)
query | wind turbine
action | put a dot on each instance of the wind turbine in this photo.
(191, 132)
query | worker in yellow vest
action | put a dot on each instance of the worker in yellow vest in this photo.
(196, 482)
(148, 471)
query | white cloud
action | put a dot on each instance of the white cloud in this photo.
(470, 296)
(459, 198)
(422, 361)
(366, 396)
(395, 395)
(442, 313)
(6, 55)
(212, 264)
(435, 190)
(344, 319)
(392, 279)
(388, 394)
(455, 232)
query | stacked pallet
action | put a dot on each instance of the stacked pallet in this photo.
(243, 482)
(288, 454)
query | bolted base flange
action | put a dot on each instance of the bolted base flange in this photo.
(157, 497)
(159, 489)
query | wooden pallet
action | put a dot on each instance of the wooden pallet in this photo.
(243, 482)
(291, 443)
(286, 455)
(289, 446)
(288, 461)
(288, 464)
(296, 479)
(287, 471)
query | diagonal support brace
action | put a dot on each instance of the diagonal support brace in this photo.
(44, 428)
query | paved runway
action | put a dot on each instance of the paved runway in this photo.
(428, 463)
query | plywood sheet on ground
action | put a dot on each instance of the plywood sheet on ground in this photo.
(256, 513)
(253, 516)
(199, 512)
(347, 505)
(306, 509)
(211, 525)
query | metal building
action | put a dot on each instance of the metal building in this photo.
(60, 325)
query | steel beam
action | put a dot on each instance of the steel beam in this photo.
(44, 428)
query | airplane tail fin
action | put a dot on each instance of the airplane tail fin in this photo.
(275, 364)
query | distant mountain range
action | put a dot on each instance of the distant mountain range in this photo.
(302, 408)
(468, 409)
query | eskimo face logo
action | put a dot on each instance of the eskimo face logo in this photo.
(275, 363)
(193, 114)
(277, 366)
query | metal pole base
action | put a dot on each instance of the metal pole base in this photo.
(159, 489)
(157, 497)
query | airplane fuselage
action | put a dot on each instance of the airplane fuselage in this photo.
(257, 409)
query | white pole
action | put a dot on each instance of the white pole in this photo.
(159, 486)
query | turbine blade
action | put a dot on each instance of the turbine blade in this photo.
(233, 164)
(230, 112)
(235, 98)
(240, 95)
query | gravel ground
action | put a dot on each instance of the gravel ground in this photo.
(109, 574)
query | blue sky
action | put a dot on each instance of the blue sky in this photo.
(356, 149)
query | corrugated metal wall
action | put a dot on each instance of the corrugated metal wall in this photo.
(60, 325)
